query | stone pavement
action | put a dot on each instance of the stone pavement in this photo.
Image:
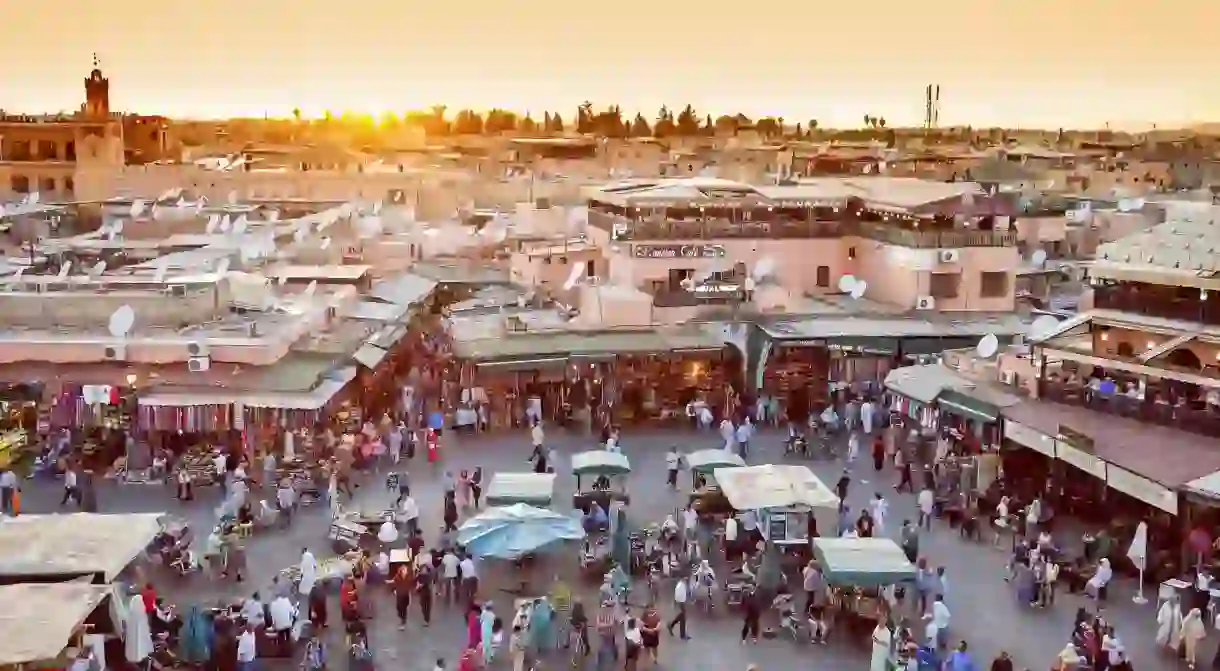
(984, 608)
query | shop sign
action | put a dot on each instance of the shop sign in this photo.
(678, 251)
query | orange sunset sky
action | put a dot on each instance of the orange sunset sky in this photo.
(999, 62)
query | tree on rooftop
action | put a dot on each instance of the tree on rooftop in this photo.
(743, 121)
(609, 123)
(296, 114)
(640, 127)
(528, 125)
(556, 124)
(726, 124)
(688, 121)
(767, 127)
(468, 122)
(664, 126)
(500, 121)
(584, 118)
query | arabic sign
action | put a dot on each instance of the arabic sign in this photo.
(678, 251)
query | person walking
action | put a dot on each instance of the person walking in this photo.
(8, 492)
(423, 587)
(681, 597)
(403, 583)
(71, 490)
(751, 616)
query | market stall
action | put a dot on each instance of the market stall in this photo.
(601, 476)
(42, 625)
(706, 496)
(784, 497)
(859, 572)
(87, 546)
(535, 489)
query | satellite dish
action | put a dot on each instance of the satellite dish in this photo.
(273, 216)
(213, 224)
(97, 269)
(988, 346)
(137, 208)
(1039, 257)
(847, 283)
(688, 283)
(121, 321)
(33, 198)
(117, 226)
(573, 277)
(858, 290)
(64, 270)
(162, 268)
(223, 266)
(182, 204)
(241, 225)
(159, 213)
(377, 204)
(299, 235)
(310, 289)
(764, 268)
(325, 243)
(283, 279)
(1043, 326)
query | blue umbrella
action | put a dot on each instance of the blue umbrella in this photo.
(515, 531)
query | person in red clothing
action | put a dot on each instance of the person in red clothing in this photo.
(149, 596)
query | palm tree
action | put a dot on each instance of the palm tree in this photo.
(868, 121)
(438, 112)
(296, 114)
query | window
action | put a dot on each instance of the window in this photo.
(46, 185)
(993, 285)
(944, 285)
(70, 151)
(19, 184)
(823, 276)
(851, 253)
(69, 186)
(590, 268)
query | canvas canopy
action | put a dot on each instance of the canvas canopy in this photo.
(774, 486)
(535, 489)
(37, 620)
(600, 462)
(862, 562)
(706, 461)
(73, 545)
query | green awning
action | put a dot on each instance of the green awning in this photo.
(962, 405)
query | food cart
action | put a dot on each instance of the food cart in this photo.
(784, 497)
(705, 495)
(601, 476)
(859, 572)
(535, 489)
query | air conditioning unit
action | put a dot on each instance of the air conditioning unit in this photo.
(1008, 377)
(198, 364)
(925, 303)
(177, 290)
(950, 256)
(252, 330)
(115, 353)
(196, 349)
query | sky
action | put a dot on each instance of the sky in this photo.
(1030, 63)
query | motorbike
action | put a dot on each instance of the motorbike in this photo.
(801, 629)
(797, 444)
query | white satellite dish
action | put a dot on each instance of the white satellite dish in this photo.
(213, 224)
(223, 267)
(310, 289)
(241, 225)
(117, 226)
(688, 283)
(299, 235)
(137, 208)
(1039, 257)
(159, 213)
(988, 346)
(162, 268)
(847, 283)
(377, 205)
(282, 280)
(858, 290)
(232, 198)
(573, 277)
(97, 269)
(273, 216)
(33, 198)
(64, 270)
(764, 268)
(325, 243)
(181, 204)
(1043, 326)
(121, 321)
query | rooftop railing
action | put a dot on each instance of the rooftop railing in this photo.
(1198, 418)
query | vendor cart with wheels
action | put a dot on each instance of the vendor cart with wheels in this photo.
(863, 574)
(601, 477)
(534, 489)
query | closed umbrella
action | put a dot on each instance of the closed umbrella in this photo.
(137, 636)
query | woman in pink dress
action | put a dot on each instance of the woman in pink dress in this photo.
(463, 490)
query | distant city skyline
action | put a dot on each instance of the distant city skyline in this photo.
(1028, 64)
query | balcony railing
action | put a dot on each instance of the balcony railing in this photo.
(1184, 309)
(1195, 418)
(688, 299)
(647, 230)
(905, 237)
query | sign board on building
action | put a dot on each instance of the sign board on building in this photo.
(678, 251)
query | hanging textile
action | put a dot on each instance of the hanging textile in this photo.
(210, 418)
(268, 418)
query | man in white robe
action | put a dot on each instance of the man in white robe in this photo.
(309, 572)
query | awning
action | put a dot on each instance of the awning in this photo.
(774, 486)
(540, 363)
(1031, 438)
(38, 619)
(1207, 486)
(863, 562)
(863, 345)
(922, 383)
(369, 356)
(962, 405)
(1139, 487)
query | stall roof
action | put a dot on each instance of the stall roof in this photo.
(577, 343)
(602, 462)
(704, 460)
(1178, 459)
(334, 273)
(923, 383)
(37, 620)
(74, 544)
(536, 489)
(863, 562)
(774, 486)
(374, 311)
(918, 325)
(406, 289)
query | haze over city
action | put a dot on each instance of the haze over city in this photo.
(997, 63)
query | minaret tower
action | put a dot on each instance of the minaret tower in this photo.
(97, 93)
